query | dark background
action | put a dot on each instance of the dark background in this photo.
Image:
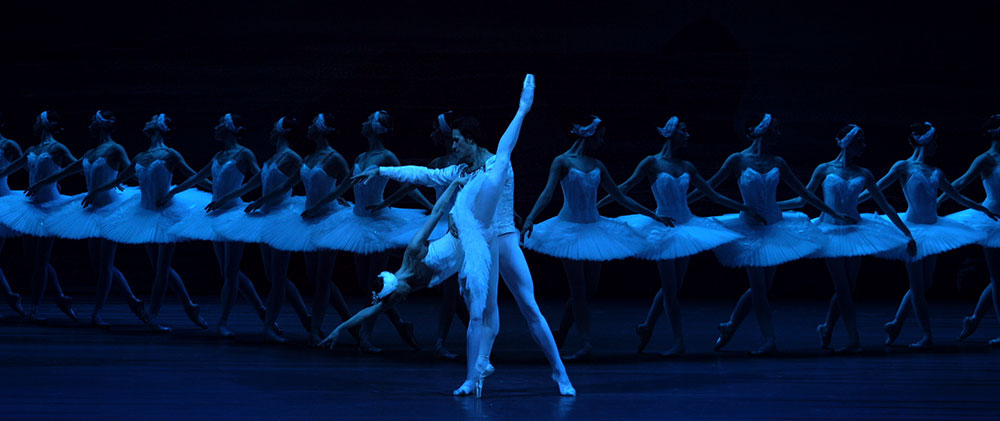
(815, 66)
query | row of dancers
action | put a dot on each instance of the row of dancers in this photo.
(479, 240)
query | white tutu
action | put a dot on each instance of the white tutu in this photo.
(684, 239)
(75, 222)
(387, 229)
(873, 234)
(237, 225)
(133, 223)
(289, 231)
(199, 225)
(980, 222)
(602, 240)
(5, 232)
(791, 238)
(944, 235)
(27, 216)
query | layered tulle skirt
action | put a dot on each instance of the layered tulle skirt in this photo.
(24, 215)
(791, 238)
(200, 225)
(389, 228)
(980, 222)
(289, 231)
(872, 235)
(601, 240)
(133, 223)
(944, 235)
(240, 226)
(683, 239)
(73, 221)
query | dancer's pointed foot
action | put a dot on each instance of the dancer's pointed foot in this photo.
(583, 354)
(969, 325)
(65, 304)
(677, 350)
(767, 348)
(467, 389)
(924, 343)
(565, 387)
(34, 317)
(892, 330)
(193, 312)
(825, 335)
(154, 326)
(262, 313)
(645, 333)
(138, 309)
(405, 330)
(14, 301)
(367, 348)
(726, 331)
(98, 322)
(441, 352)
(223, 331)
(271, 336)
(560, 338)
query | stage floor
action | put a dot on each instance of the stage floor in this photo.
(68, 370)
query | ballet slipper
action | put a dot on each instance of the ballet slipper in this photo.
(139, 310)
(441, 352)
(271, 336)
(65, 304)
(825, 335)
(645, 334)
(193, 312)
(565, 387)
(726, 331)
(892, 330)
(223, 331)
(969, 326)
(98, 322)
(14, 301)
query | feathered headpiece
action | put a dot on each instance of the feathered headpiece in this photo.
(588, 130)
(762, 127)
(670, 128)
(849, 137)
(926, 137)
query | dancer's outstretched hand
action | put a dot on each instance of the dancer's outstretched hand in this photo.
(526, 230)
(215, 204)
(87, 200)
(257, 204)
(365, 175)
(33, 190)
(911, 247)
(527, 93)
(330, 340)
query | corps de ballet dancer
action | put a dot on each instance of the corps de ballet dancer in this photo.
(478, 214)
(935, 235)
(986, 167)
(672, 247)
(843, 181)
(781, 238)
(371, 233)
(227, 169)
(10, 151)
(279, 170)
(138, 219)
(29, 215)
(321, 172)
(579, 235)
(458, 153)
(99, 166)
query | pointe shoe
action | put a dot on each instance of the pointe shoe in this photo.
(193, 312)
(272, 337)
(726, 331)
(262, 313)
(405, 330)
(892, 332)
(223, 331)
(139, 310)
(14, 301)
(486, 371)
(441, 352)
(583, 354)
(645, 334)
(565, 387)
(825, 335)
(467, 389)
(66, 305)
(925, 343)
(98, 322)
(969, 326)
(153, 326)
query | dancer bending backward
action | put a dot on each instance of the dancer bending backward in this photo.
(290, 232)
(30, 216)
(579, 235)
(459, 152)
(99, 166)
(785, 236)
(228, 168)
(843, 181)
(9, 151)
(669, 178)
(138, 220)
(279, 170)
(987, 167)
(370, 234)
(477, 212)
(934, 235)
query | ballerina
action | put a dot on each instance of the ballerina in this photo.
(98, 165)
(290, 232)
(369, 234)
(935, 235)
(783, 237)
(476, 208)
(280, 170)
(579, 236)
(138, 220)
(672, 248)
(228, 168)
(843, 181)
(458, 153)
(9, 151)
(29, 215)
(986, 166)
